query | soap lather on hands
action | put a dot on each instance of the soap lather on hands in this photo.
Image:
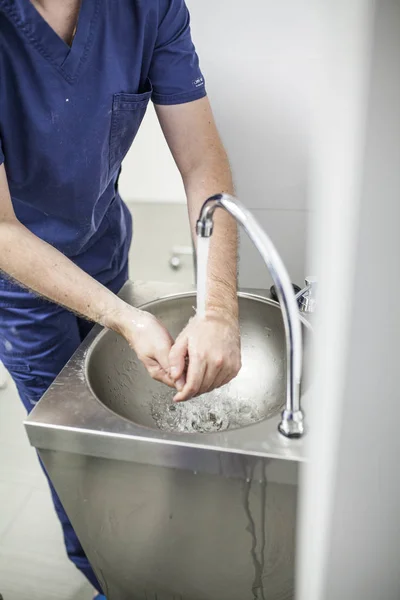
(205, 356)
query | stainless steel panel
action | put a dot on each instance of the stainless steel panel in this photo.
(168, 515)
(71, 417)
(157, 533)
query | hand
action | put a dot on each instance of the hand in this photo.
(148, 338)
(211, 348)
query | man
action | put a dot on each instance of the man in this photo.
(75, 80)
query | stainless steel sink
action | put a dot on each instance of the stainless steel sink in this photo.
(122, 384)
(203, 508)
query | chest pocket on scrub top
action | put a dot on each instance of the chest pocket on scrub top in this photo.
(127, 115)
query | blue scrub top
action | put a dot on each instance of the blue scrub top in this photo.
(68, 115)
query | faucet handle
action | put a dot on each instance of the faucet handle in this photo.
(311, 280)
(307, 297)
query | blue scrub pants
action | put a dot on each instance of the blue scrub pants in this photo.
(37, 338)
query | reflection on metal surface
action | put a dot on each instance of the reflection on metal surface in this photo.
(257, 558)
(121, 383)
(170, 533)
(306, 297)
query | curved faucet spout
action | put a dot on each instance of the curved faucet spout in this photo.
(292, 423)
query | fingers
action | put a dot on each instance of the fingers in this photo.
(194, 379)
(215, 380)
(159, 361)
(206, 374)
(157, 372)
(208, 381)
(202, 376)
(219, 371)
(233, 371)
(152, 344)
(225, 374)
(223, 378)
(177, 360)
(162, 358)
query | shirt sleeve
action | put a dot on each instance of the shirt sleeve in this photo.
(1, 154)
(175, 72)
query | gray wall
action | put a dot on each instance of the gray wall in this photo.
(350, 522)
(365, 547)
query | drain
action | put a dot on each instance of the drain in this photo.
(211, 423)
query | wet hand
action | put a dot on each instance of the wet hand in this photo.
(149, 339)
(209, 347)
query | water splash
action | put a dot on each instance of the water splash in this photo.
(203, 247)
(216, 411)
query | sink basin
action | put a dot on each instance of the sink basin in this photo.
(121, 383)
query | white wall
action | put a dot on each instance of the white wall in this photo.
(255, 59)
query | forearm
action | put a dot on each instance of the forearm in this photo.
(208, 178)
(41, 268)
(46, 271)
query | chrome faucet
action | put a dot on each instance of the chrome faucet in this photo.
(292, 422)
